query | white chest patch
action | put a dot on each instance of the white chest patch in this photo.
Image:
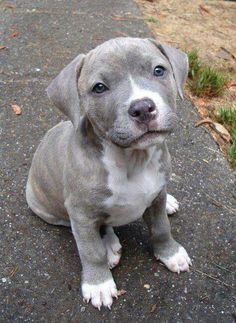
(134, 180)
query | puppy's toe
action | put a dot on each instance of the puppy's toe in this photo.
(100, 294)
(180, 261)
(172, 205)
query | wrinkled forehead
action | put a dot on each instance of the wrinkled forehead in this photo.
(122, 55)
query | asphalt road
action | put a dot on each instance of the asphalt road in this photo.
(40, 267)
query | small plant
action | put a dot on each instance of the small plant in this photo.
(204, 80)
(194, 63)
(232, 153)
(152, 19)
(209, 82)
(228, 117)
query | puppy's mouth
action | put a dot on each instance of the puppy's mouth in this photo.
(146, 138)
(150, 135)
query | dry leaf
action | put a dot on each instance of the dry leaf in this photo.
(204, 8)
(201, 103)
(153, 308)
(14, 34)
(201, 106)
(199, 123)
(121, 292)
(206, 161)
(118, 18)
(10, 5)
(3, 47)
(16, 109)
(221, 130)
(232, 83)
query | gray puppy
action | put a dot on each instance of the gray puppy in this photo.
(109, 165)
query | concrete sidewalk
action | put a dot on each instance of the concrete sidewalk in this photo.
(40, 267)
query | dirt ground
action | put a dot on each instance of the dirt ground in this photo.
(208, 26)
(205, 25)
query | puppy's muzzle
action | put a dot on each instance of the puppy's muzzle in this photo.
(142, 110)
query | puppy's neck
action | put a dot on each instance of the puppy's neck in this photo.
(132, 160)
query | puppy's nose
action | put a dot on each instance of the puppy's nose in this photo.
(143, 110)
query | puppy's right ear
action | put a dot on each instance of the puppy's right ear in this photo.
(63, 92)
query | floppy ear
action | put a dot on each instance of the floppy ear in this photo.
(62, 91)
(178, 61)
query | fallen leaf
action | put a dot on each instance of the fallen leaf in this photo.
(3, 47)
(121, 292)
(118, 18)
(14, 34)
(206, 161)
(201, 102)
(207, 120)
(232, 83)
(221, 130)
(204, 8)
(153, 308)
(16, 109)
(201, 106)
(10, 5)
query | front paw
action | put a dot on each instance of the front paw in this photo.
(178, 262)
(100, 294)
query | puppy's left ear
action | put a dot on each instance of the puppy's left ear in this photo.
(178, 61)
(62, 91)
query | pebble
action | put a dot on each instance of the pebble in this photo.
(147, 286)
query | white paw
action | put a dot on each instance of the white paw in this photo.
(180, 261)
(100, 294)
(113, 247)
(172, 205)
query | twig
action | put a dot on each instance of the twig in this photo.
(231, 210)
(13, 272)
(225, 269)
(213, 277)
(215, 151)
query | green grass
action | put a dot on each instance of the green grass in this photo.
(152, 19)
(194, 63)
(227, 116)
(205, 81)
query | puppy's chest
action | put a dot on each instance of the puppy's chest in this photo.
(133, 190)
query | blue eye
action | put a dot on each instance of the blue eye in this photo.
(159, 71)
(99, 88)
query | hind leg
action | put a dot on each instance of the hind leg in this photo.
(38, 209)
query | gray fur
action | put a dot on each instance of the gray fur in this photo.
(63, 90)
(70, 180)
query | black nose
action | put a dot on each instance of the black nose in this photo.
(143, 110)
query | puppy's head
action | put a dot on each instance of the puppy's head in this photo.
(127, 87)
